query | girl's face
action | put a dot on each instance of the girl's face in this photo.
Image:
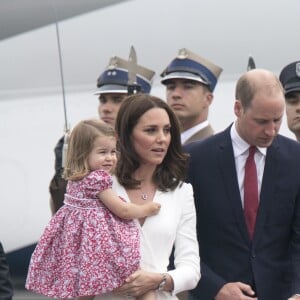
(151, 136)
(103, 155)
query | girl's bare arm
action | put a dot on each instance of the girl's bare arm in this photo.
(127, 210)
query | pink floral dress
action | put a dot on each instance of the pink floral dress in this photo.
(85, 249)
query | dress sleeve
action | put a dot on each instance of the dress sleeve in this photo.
(98, 181)
(186, 257)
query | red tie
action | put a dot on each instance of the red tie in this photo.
(250, 191)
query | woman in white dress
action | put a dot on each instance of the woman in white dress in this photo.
(152, 167)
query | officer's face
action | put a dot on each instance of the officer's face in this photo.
(109, 105)
(292, 101)
(189, 100)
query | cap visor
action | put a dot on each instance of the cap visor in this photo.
(292, 87)
(111, 88)
(183, 75)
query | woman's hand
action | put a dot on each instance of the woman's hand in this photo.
(139, 283)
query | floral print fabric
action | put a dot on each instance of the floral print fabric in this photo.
(85, 249)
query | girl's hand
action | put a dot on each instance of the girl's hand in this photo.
(139, 283)
(152, 208)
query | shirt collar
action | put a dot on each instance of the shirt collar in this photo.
(240, 146)
(188, 133)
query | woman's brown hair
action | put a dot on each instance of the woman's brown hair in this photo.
(173, 169)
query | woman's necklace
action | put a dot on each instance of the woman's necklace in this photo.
(144, 196)
(149, 192)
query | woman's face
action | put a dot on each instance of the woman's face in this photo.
(151, 136)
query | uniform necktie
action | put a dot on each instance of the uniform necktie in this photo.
(250, 191)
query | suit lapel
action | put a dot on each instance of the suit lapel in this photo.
(227, 167)
(267, 187)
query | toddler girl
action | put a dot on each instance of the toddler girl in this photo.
(90, 245)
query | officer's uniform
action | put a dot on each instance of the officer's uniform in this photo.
(188, 65)
(114, 81)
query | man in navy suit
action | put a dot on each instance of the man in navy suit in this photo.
(234, 264)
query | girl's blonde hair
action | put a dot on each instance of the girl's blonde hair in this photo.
(80, 145)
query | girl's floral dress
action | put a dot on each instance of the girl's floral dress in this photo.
(85, 249)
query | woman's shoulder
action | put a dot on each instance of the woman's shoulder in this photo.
(184, 186)
(116, 184)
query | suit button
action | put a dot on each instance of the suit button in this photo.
(253, 255)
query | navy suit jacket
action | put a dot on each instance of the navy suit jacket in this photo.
(270, 263)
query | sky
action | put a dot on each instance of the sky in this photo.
(225, 32)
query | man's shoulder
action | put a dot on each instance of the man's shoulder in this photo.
(285, 139)
(287, 148)
(208, 142)
(284, 142)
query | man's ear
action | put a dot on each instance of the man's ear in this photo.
(238, 108)
(210, 98)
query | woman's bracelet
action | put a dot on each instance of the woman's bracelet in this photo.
(162, 284)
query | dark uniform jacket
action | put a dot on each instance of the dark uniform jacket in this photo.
(200, 135)
(6, 289)
(58, 185)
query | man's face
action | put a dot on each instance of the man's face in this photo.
(189, 100)
(260, 122)
(292, 101)
(109, 105)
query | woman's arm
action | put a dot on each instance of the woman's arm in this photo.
(186, 256)
(127, 210)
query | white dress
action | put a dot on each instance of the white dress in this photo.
(174, 224)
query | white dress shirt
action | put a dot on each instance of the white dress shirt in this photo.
(241, 151)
